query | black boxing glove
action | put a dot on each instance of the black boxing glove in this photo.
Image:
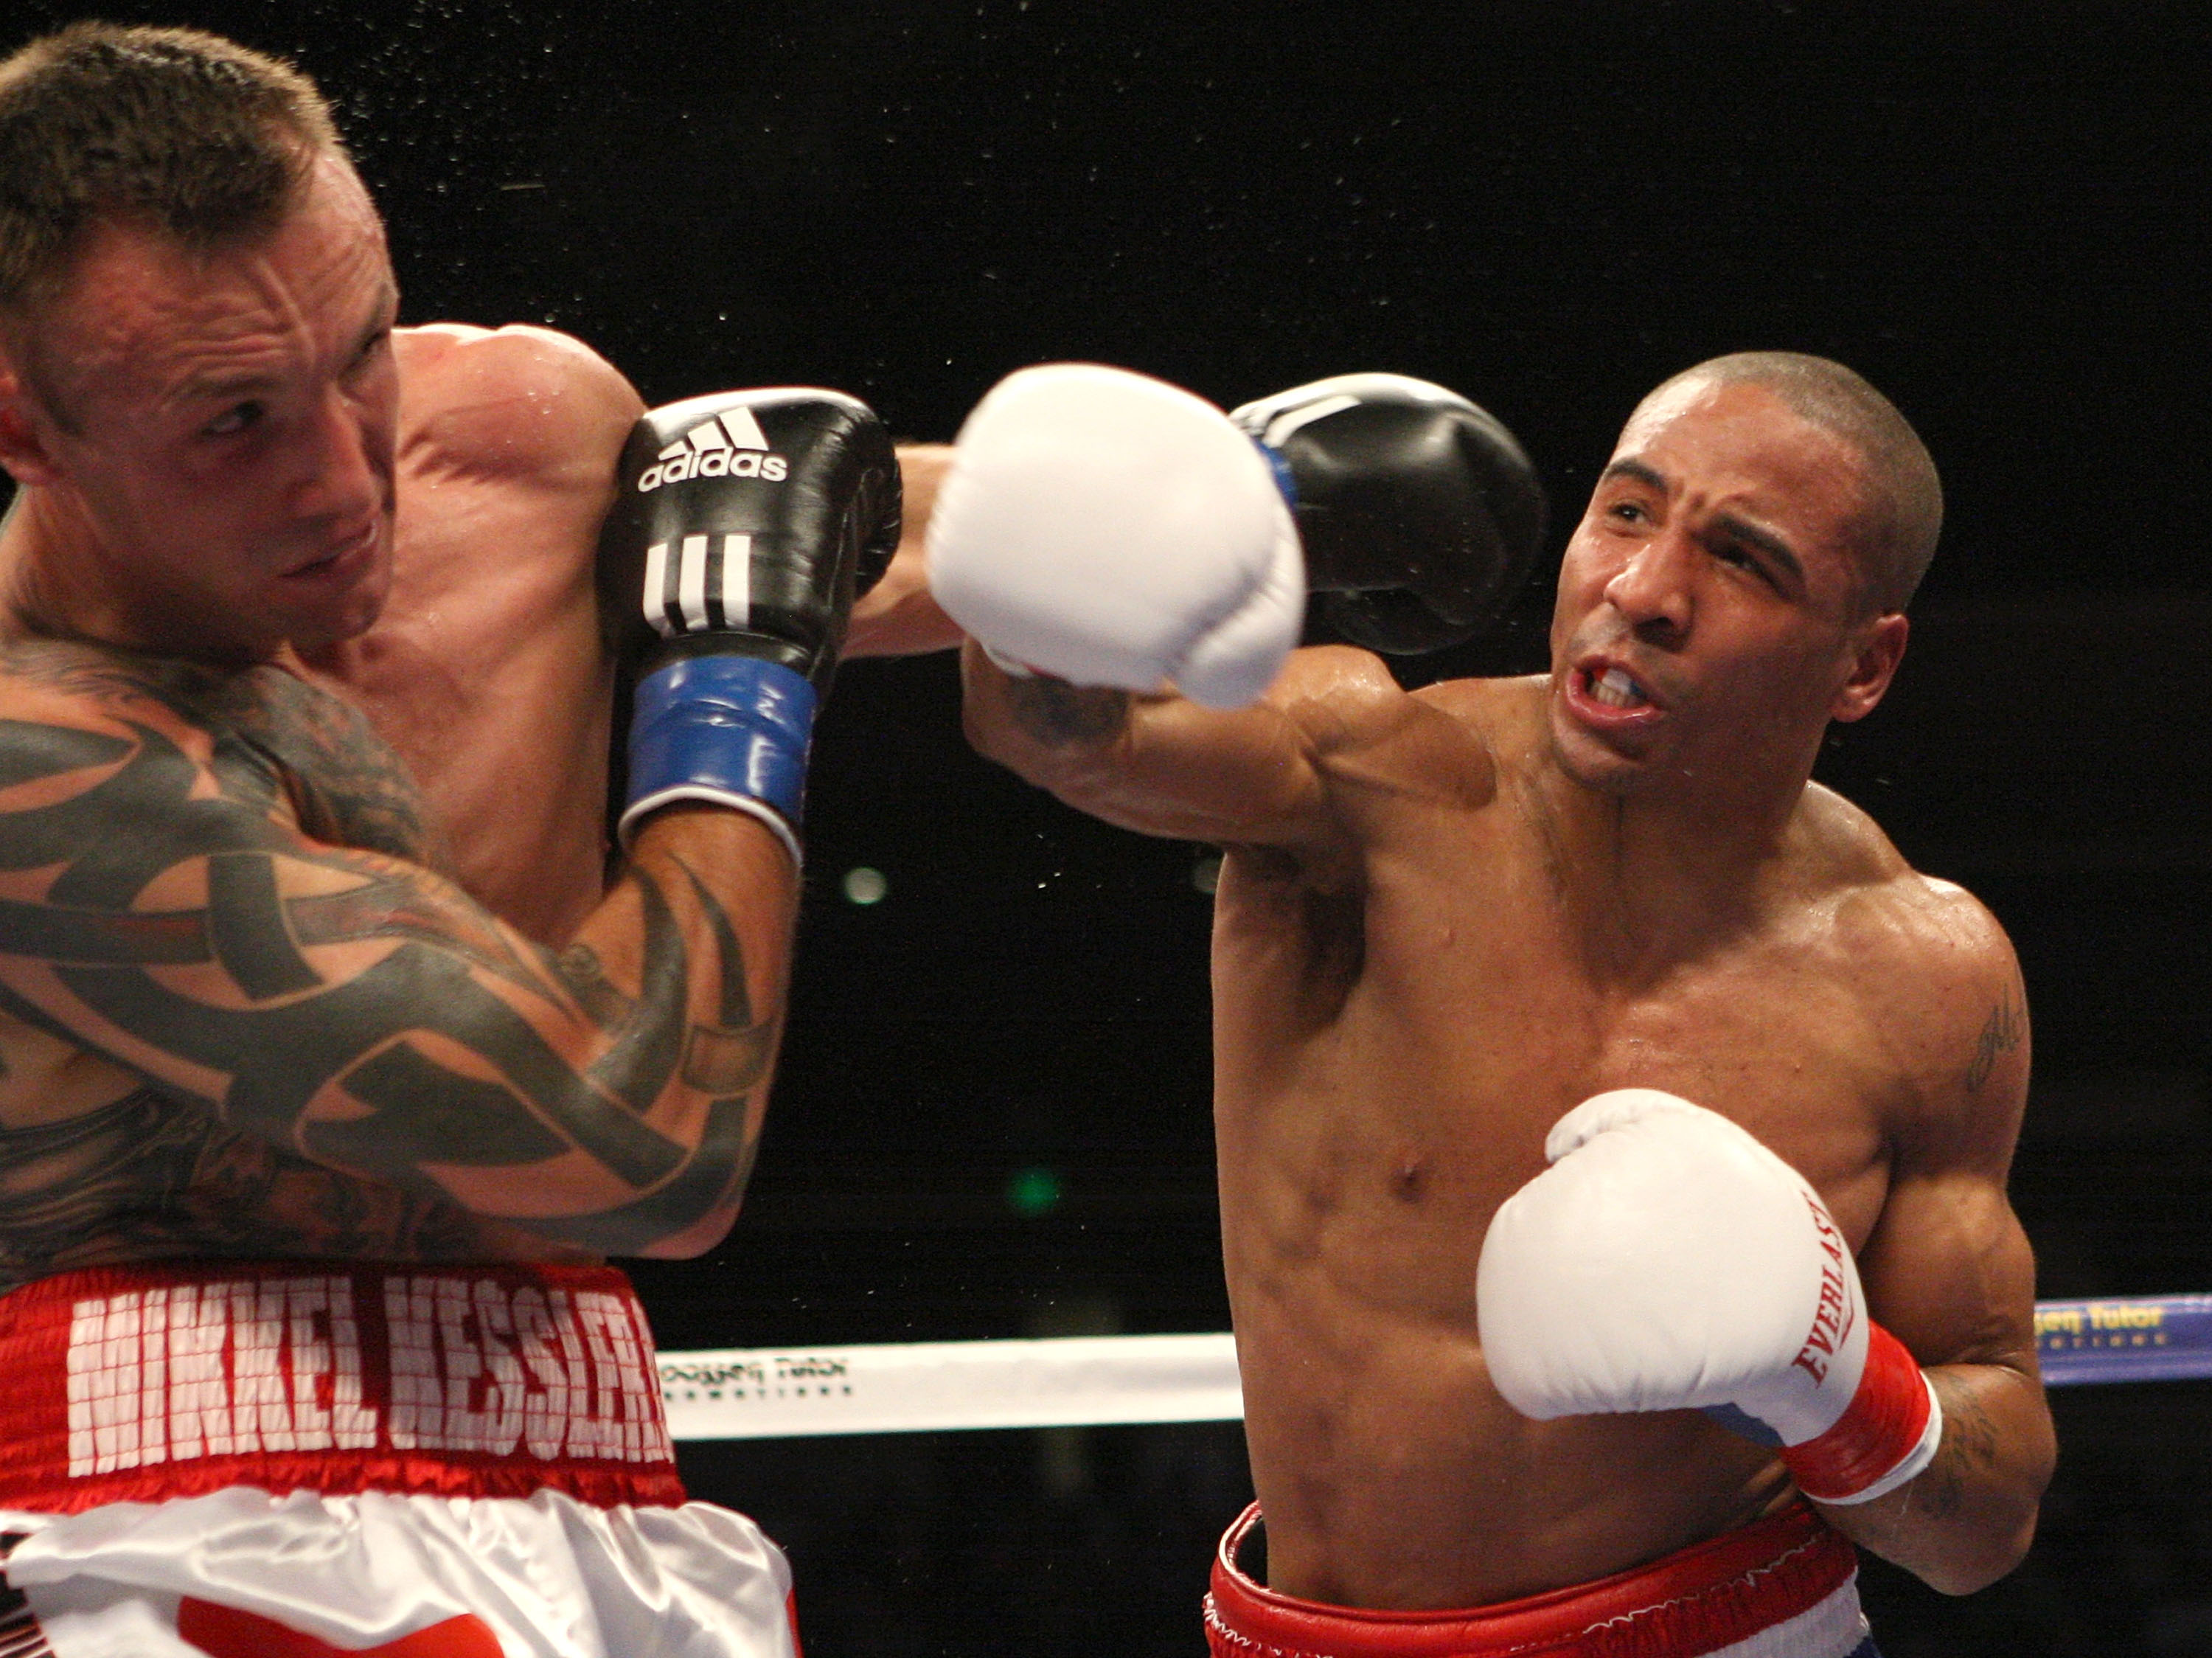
(1420, 514)
(744, 526)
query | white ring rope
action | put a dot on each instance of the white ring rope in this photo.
(1094, 1381)
(913, 1387)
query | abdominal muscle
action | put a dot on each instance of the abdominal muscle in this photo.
(1376, 1103)
(1393, 1476)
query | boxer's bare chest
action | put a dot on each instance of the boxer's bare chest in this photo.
(486, 674)
(1388, 1061)
(1395, 1057)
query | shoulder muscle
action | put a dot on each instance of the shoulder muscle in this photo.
(518, 399)
(1948, 988)
(1371, 739)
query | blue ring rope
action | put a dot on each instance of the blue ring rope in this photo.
(2124, 1338)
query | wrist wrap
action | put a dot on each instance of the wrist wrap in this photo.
(727, 730)
(1887, 1433)
(1280, 466)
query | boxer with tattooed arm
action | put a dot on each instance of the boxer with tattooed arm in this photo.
(308, 1156)
(488, 672)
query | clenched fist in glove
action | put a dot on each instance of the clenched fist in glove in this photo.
(1667, 1260)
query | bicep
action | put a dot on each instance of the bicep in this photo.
(161, 910)
(1949, 1271)
(1949, 1268)
(282, 982)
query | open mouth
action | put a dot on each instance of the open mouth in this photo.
(1605, 696)
(1615, 688)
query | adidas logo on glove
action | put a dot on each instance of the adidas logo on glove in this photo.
(731, 444)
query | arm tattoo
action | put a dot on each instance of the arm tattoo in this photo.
(731, 1055)
(344, 1010)
(1056, 713)
(2004, 1031)
(346, 785)
(596, 993)
(1968, 1451)
(144, 1175)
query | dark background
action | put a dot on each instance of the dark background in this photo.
(1997, 213)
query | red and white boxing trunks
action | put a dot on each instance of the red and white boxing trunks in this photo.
(1785, 1586)
(295, 1460)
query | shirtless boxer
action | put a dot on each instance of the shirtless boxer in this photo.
(489, 665)
(244, 1011)
(1445, 917)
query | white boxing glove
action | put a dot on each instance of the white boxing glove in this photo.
(1668, 1261)
(1114, 530)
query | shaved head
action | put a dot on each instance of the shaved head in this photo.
(1903, 510)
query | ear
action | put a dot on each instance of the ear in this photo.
(1876, 651)
(24, 450)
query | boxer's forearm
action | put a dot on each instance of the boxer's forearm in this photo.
(1068, 739)
(1158, 764)
(1032, 722)
(898, 616)
(1966, 1519)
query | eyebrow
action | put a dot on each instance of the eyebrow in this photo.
(1635, 469)
(1765, 539)
(382, 316)
(222, 386)
(1741, 528)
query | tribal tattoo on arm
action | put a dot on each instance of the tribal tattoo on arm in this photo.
(215, 880)
(142, 1176)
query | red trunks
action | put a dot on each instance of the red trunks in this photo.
(176, 1379)
(1715, 1597)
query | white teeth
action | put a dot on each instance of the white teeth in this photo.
(1616, 690)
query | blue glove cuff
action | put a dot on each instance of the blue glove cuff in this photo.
(730, 729)
(1281, 469)
(1737, 1420)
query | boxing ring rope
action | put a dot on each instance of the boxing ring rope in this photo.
(1097, 1380)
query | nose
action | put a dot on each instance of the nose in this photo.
(1652, 589)
(342, 461)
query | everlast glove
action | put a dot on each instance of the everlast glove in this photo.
(1113, 530)
(1667, 1260)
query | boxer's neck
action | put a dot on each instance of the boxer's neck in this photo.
(1660, 875)
(54, 583)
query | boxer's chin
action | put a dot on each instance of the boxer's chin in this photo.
(349, 606)
(1589, 760)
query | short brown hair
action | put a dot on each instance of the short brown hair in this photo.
(1905, 499)
(186, 133)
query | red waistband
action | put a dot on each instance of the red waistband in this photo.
(1703, 1598)
(173, 1379)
